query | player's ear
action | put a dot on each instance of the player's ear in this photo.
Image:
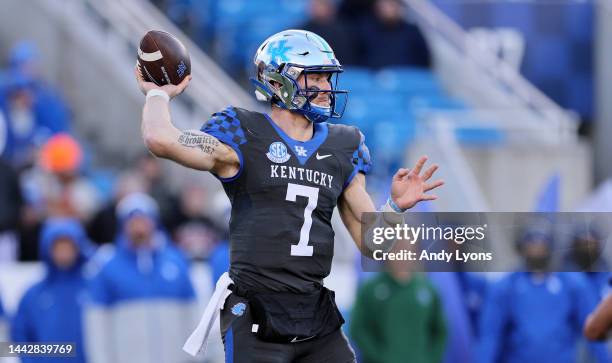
(301, 80)
(276, 85)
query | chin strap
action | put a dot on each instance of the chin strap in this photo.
(321, 114)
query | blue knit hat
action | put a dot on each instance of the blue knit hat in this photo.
(536, 234)
(137, 204)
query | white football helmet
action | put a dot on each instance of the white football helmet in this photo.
(282, 58)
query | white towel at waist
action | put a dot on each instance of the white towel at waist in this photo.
(198, 339)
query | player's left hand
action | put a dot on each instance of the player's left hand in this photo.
(409, 187)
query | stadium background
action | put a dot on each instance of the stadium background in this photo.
(507, 96)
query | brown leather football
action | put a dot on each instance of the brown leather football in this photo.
(163, 59)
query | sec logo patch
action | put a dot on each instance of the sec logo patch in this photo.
(277, 152)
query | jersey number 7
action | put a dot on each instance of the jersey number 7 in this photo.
(293, 190)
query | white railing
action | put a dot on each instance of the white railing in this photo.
(489, 81)
(500, 98)
(473, 198)
(135, 17)
(126, 21)
(522, 131)
(462, 191)
(93, 48)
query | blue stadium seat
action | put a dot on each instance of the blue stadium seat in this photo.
(356, 79)
(408, 80)
(388, 139)
(480, 136)
(365, 108)
(294, 8)
(260, 30)
(241, 25)
(440, 101)
(230, 13)
(385, 103)
(357, 111)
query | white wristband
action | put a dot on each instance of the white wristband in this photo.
(391, 216)
(390, 206)
(387, 208)
(158, 92)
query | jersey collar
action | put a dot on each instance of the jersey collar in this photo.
(303, 150)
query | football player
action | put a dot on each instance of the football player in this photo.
(284, 172)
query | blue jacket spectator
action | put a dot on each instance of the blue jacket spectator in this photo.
(460, 293)
(33, 110)
(51, 310)
(338, 33)
(474, 288)
(142, 306)
(531, 318)
(390, 41)
(32, 115)
(537, 315)
(586, 254)
(599, 282)
(355, 9)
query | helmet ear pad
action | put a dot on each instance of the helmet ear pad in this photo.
(284, 89)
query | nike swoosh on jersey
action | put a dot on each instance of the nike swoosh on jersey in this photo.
(321, 157)
(296, 340)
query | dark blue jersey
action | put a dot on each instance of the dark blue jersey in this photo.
(283, 198)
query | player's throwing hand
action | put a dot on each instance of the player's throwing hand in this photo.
(409, 187)
(170, 89)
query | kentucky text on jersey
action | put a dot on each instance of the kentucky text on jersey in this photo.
(295, 173)
(281, 235)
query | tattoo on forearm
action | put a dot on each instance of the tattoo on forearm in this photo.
(204, 142)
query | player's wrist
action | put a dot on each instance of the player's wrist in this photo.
(390, 206)
(391, 214)
(156, 92)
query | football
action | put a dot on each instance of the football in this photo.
(163, 59)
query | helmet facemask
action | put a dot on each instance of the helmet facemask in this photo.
(337, 98)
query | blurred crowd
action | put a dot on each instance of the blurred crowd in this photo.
(116, 258)
(535, 314)
(353, 28)
(48, 172)
(134, 301)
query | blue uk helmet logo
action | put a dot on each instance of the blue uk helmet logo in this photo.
(238, 309)
(278, 152)
(278, 51)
